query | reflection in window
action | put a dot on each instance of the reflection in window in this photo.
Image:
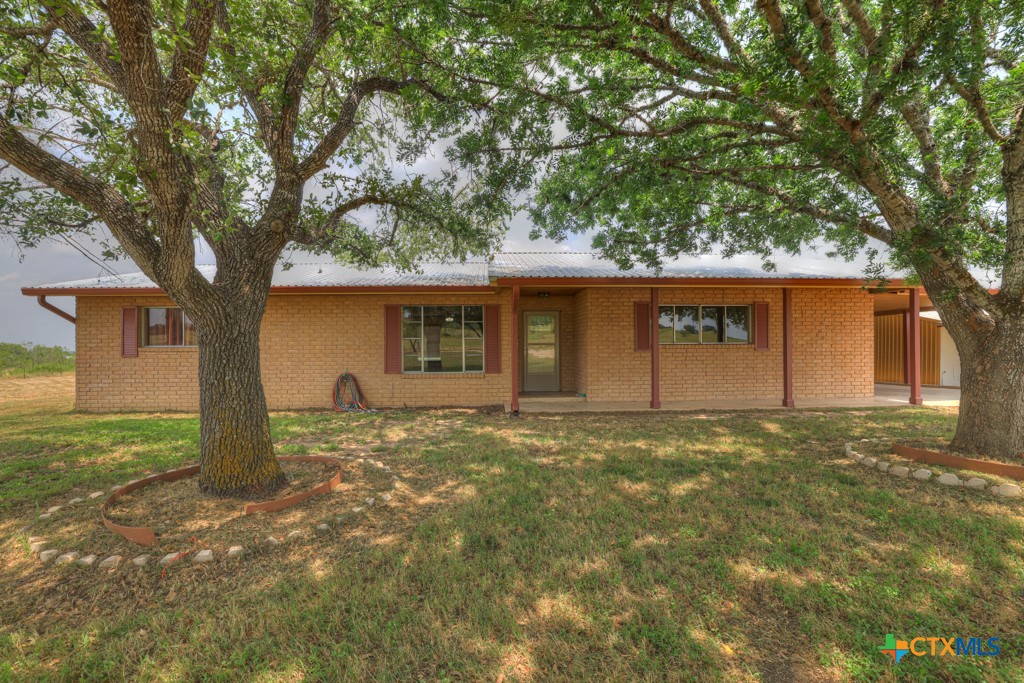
(737, 321)
(167, 327)
(711, 324)
(704, 324)
(442, 338)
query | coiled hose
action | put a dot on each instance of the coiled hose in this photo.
(348, 397)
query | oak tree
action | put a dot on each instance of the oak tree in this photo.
(254, 125)
(761, 126)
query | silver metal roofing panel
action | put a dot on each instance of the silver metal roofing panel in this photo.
(590, 265)
(470, 273)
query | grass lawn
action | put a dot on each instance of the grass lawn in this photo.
(739, 546)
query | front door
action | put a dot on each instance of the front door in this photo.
(540, 351)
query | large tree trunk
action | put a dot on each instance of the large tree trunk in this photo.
(236, 452)
(991, 418)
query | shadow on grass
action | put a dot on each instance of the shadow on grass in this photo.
(585, 546)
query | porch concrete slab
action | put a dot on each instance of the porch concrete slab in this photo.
(888, 394)
(885, 395)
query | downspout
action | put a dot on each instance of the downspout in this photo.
(41, 299)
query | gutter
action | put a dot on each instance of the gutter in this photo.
(687, 282)
(41, 299)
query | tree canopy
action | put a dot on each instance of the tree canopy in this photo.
(761, 126)
(165, 120)
(256, 125)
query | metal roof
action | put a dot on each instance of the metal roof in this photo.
(478, 273)
(309, 275)
(564, 264)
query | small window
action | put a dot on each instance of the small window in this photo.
(442, 339)
(167, 327)
(704, 324)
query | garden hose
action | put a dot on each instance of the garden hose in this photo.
(348, 397)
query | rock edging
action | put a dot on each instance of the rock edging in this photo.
(925, 474)
(38, 545)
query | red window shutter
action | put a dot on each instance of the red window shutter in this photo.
(492, 339)
(642, 326)
(393, 340)
(761, 326)
(129, 332)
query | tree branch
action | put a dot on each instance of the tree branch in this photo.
(916, 116)
(972, 96)
(86, 35)
(189, 60)
(777, 23)
(324, 17)
(101, 198)
(346, 121)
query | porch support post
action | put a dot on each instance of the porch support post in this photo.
(514, 346)
(906, 347)
(914, 348)
(787, 347)
(655, 353)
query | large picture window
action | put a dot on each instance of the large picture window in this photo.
(704, 325)
(442, 339)
(167, 327)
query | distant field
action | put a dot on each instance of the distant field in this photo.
(21, 360)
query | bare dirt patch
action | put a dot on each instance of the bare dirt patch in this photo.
(180, 507)
(185, 519)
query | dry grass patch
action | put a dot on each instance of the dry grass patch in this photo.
(692, 546)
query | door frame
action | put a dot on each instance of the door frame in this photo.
(524, 348)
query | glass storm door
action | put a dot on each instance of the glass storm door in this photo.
(540, 352)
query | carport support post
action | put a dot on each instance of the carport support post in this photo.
(515, 350)
(655, 357)
(787, 347)
(914, 348)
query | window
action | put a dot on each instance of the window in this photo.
(442, 339)
(704, 325)
(167, 327)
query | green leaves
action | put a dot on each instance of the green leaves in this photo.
(759, 127)
(278, 81)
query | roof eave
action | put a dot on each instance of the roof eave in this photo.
(691, 282)
(275, 289)
(500, 282)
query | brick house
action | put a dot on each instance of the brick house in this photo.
(486, 332)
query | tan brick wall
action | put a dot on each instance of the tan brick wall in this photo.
(307, 340)
(695, 372)
(615, 372)
(158, 379)
(833, 332)
(833, 343)
(580, 304)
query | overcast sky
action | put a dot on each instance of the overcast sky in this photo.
(25, 321)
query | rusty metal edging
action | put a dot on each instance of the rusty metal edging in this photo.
(144, 535)
(288, 501)
(935, 458)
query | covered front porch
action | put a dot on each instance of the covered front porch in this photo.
(801, 343)
(886, 395)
